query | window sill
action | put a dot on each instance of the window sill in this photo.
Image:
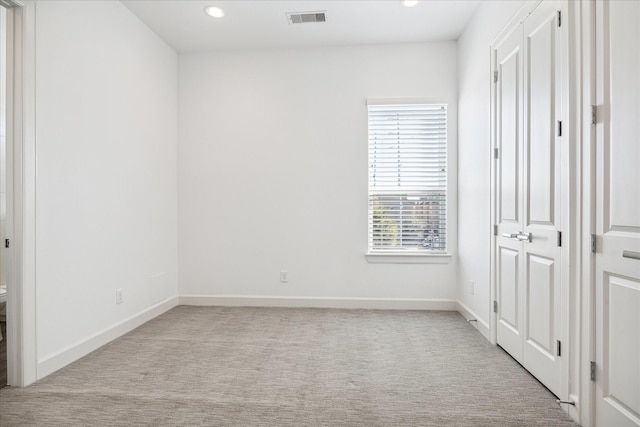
(413, 258)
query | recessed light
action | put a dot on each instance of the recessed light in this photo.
(214, 11)
(409, 3)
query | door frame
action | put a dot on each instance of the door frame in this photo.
(568, 180)
(585, 268)
(21, 186)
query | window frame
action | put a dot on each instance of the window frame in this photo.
(419, 256)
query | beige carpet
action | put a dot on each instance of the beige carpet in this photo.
(222, 366)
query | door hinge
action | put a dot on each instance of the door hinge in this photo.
(496, 153)
(559, 127)
(593, 243)
(559, 18)
(593, 371)
(558, 348)
(495, 230)
(7, 243)
(495, 76)
(594, 114)
(495, 306)
(559, 238)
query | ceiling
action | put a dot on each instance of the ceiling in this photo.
(259, 24)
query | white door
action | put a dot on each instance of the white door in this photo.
(508, 193)
(528, 109)
(541, 284)
(617, 282)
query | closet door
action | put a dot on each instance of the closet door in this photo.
(617, 279)
(529, 89)
(508, 193)
(541, 251)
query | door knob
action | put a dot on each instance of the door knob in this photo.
(524, 236)
(510, 236)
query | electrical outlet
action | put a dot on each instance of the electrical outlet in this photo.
(472, 287)
(119, 296)
(284, 276)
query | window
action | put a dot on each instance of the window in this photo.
(407, 179)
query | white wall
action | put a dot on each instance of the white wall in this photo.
(106, 214)
(272, 170)
(474, 154)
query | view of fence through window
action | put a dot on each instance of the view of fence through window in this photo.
(407, 178)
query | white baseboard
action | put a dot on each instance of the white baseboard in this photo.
(479, 324)
(74, 352)
(320, 302)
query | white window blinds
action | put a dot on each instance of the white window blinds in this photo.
(407, 178)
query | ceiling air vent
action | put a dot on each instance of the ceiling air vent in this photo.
(304, 17)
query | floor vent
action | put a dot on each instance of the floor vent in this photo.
(305, 17)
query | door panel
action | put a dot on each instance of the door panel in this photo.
(508, 290)
(617, 277)
(625, 117)
(544, 50)
(509, 69)
(510, 298)
(508, 57)
(541, 69)
(622, 353)
(540, 303)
